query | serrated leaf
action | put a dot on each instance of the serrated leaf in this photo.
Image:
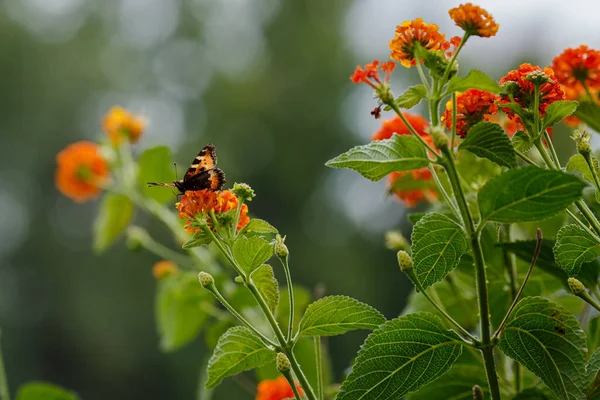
(549, 342)
(259, 226)
(44, 391)
(521, 141)
(589, 112)
(113, 217)
(238, 350)
(573, 247)
(488, 140)
(380, 157)
(437, 245)
(401, 356)
(265, 281)
(457, 384)
(528, 194)
(474, 79)
(199, 238)
(593, 376)
(577, 163)
(180, 310)
(334, 315)
(156, 165)
(251, 252)
(557, 111)
(411, 97)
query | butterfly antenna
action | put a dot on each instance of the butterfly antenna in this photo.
(175, 165)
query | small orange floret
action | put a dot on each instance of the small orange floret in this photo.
(410, 33)
(410, 196)
(194, 203)
(524, 94)
(576, 67)
(396, 125)
(120, 123)
(370, 73)
(472, 106)
(276, 389)
(81, 171)
(163, 269)
(474, 20)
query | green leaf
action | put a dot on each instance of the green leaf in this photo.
(401, 356)
(180, 310)
(593, 376)
(251, 252)
(113, 217)
(156, 165)
(589, 112)
(437, 245)
(457, 384)
(259, 226)
(531, 394)
(265, 281)
(334, 315)
(474, 79)
(380, 157)
(411, 97)
(199, 238)
(573, 247)
(578, 164)
(528, 194)
(238, 350)
(549, 342)
(488, 140)
(521, 141)
(557, 111)
(44, 391)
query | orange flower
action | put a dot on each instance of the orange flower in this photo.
(411, 196)
(510, 126)
(276, 389)
(576, 67)
(81, 171)
(198, 202)
(411, 32)
(370, 73)
(523, 92)
(472, 106)
(474, 20)
(163, 269)
(396, 125)
(119, 123)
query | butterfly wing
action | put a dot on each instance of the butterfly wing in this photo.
(213, 179)
(203, 162)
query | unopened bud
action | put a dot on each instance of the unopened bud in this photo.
(576, 286)
(243, 191)
(440, 139)
(538, 77)
(206, 279)
(282, 363)
(384, 93)
(582, 140)
(281, 249)
(404, 260)
(477, 393)
(395, 240)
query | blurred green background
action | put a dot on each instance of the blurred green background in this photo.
(267, 82)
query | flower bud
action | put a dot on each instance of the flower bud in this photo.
(282, 363)
(404, 261)
(538, 77)
(576, 286)
(440, 139)
(206, 279)
(477, 393)
(384, 93)
(582, 139)
(281, 249)
(243, 191)
(395, 240)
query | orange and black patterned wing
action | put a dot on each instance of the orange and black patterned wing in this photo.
(213, 179)
(205, 161)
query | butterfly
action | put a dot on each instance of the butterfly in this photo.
(201, 174)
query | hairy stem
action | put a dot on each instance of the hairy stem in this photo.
(319, 360)
(290, 289)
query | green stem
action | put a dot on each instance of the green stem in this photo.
(157, 248)
(290, 289)
(441, 189)
(411, 128)
(552, 149)
(422, 74)
(536, 111)
(451, 63)
(590, 163)
(318, 357)
(225, 252)
(480, 274)
(4, 392)
(525, 158)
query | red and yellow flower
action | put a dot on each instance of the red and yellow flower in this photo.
(276, 389)
(120, 123)
(409, 195)
(472, 106)
(202, 202)
(524, 92)
(474, 20)
(82, 171)
(408, 34)
(576, 67)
